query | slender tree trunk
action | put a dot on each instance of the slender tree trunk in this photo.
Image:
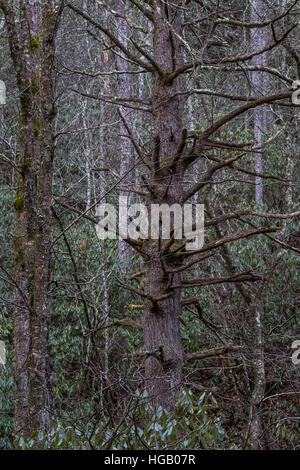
(126, 151)
(259, 40)
(259, 381)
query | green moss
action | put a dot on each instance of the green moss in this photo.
(19, 201)
(19, 204)
(35, 43)
(166, 163)
(35, 86)
(37, 127)
(49, 19)
(26, 163)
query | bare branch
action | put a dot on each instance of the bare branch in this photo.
(144, 10)
(112, 37)
(236, 112)
(209, 173)
(115, 100)
(239, 58)
(148, 56)
(228, 239)
(190, 357)
(269, 22)
(243, 277)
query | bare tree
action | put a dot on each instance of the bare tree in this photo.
(173, 151)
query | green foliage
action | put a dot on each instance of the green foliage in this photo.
(191, 426)
(7, 385)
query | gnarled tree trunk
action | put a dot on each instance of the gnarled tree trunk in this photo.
(163, 369)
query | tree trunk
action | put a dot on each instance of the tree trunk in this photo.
(32, 49)
(163, 369)
(259, 381)
(126, 151)
(259, 40)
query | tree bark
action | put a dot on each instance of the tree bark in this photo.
(259, 382)
(161, 319)
(259, 40)
(32, 45)
(126, 151)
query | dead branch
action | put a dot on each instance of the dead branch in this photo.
(242, 277)
(228, 239)
(190, 357)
